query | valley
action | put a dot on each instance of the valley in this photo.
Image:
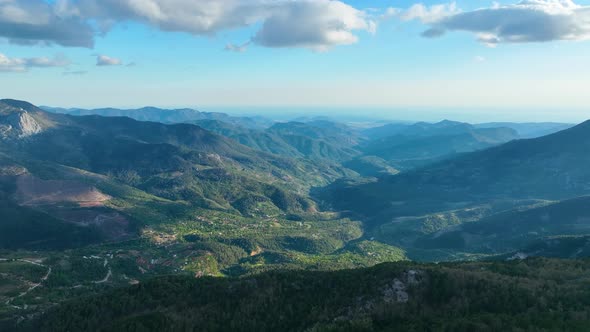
(294, 165)
(96, 202)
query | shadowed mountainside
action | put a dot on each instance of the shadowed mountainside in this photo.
(550, 167)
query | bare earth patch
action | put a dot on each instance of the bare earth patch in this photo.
(33, 191)
(111, 223)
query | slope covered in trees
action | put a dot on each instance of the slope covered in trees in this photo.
(530, 295)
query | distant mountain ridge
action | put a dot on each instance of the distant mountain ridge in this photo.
(529, 130)
(549, 167)
(318, 140)
(409, 146)
(155, 114)
(423, 129)
(402, 146)
(523, 130)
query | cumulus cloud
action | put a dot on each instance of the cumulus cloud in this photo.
(8, 64)
(315, 24)
(39, 22)
(203, 17)
(427, 14)
(525, 21)
(103, 60)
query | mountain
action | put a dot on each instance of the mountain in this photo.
(95, 210)
(262, 140)
(512, 230)
(386, 130)
(529, 130)
(20, 120)
(47, 206)
(370, 166)
(25, 227)
(168, 199)
(530, 295)
(571, 247)
(91, 203)
(119, 175)
(426, 129)
(524, 130)
(550, 167)
(154, 114)
(317, 140)
(408, 146)
(414, 233)
(84, 135)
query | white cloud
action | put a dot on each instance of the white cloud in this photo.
(103, 60)
(38, 22)
(430, 14)
(43, 62)
(390, 12)
(525, 21)
(8, 64)
(203, 17)
(314, 24)
(12, 64)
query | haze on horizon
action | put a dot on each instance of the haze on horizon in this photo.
(466, 60)
(294, 165)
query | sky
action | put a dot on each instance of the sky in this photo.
(475, 60)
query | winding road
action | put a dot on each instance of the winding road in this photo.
(30, 289)
(106, 278)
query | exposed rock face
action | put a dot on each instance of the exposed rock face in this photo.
(17, 122)
(22, 125)
(397, 290)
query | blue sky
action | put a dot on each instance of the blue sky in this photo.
(480, 68)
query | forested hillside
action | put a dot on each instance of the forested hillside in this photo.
(531, 295)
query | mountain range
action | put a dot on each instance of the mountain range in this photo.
(549, 167)
(96, 206)
(155, 114)
(408, 146)
(92, 161)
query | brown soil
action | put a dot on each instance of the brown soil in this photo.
(34, 191)
(111, 223)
